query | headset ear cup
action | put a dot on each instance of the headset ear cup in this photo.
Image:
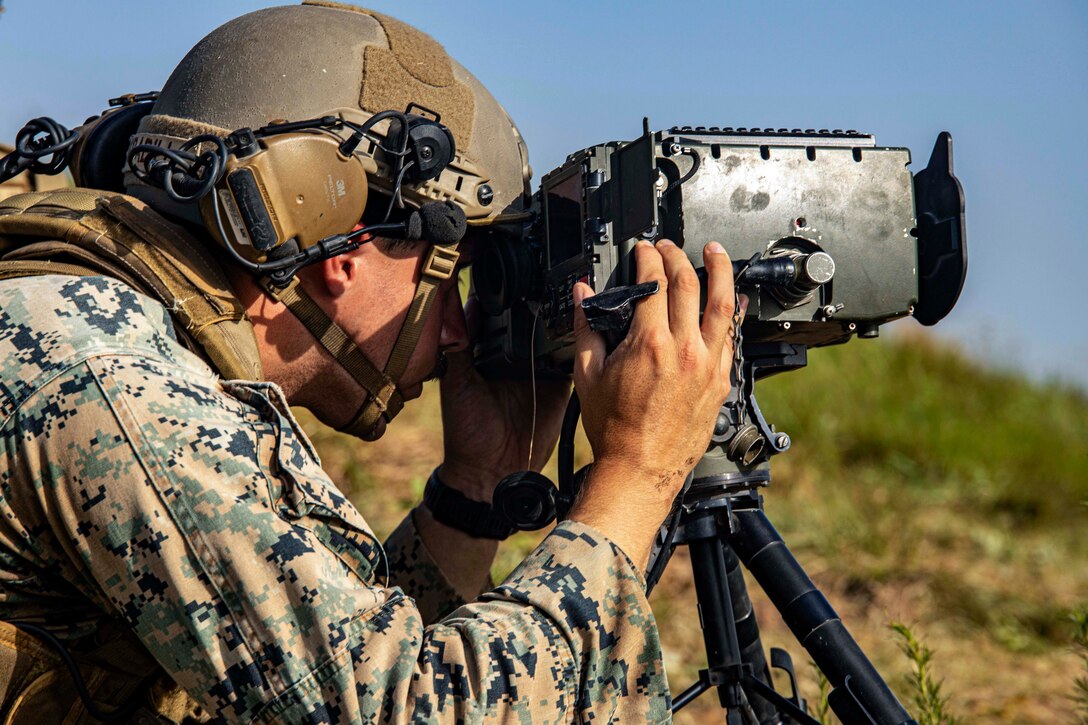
(98, 159)
(297, 186)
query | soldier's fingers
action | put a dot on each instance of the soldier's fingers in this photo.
(717, 324)
(683, 291)
(590, 350)
(651, 311)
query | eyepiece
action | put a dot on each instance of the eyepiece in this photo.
(790, 277)
(502, 273)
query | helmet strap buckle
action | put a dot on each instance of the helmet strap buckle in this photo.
(441, 262)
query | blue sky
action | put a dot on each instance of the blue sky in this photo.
(1009, 80)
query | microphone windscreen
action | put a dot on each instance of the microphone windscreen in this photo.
(413, 228)
(442, 222)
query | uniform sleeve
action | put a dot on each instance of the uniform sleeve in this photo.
(414, 571)
(196, 512)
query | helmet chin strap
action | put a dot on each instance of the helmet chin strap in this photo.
(384, 397)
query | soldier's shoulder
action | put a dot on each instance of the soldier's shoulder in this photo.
(51, 323)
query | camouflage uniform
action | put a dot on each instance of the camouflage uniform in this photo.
(137, 486)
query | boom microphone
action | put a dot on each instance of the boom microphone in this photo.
(437, 222)
(413, 228)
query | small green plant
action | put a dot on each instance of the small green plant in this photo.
(932, 706)
(1080, 646)
(821, 710)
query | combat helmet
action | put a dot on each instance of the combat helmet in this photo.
(319, 58)
(326, 59)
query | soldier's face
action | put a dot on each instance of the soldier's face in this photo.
(367, 293)
(373, 308)
(444, 332)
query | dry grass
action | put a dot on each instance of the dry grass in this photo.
(920, 489)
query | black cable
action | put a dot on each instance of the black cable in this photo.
(696, 162)
(377, 118)
(183, 174)
(39, 138)
(395, 198)
(43, 137)
(118, 716)
(398, 168)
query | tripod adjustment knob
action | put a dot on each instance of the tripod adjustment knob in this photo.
(526, 499)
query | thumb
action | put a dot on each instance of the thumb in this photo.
(590, 350)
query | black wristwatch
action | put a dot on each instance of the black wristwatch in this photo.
(454, 509)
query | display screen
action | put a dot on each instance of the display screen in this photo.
(563, 203)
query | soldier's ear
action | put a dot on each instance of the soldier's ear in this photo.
(339, 273)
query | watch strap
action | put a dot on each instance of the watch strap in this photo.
(454, 509)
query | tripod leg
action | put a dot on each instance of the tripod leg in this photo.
(716, 616)
(861, 694)
(747, 629)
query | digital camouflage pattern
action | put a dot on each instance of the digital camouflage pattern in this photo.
(137, 486)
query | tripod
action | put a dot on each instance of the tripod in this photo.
(722, 529)
(720, 518)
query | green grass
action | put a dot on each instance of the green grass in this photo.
(921, 487)
(820, 708)
(1080, 684)
(930, 705)
(938, 428)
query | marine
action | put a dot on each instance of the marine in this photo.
(170, 548)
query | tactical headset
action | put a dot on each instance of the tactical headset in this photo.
(284, 196)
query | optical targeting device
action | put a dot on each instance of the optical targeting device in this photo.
(832, 237)
(834, 233)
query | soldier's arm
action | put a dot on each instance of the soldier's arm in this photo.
(198, 514)
(415, 568)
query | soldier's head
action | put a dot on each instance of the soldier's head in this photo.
(377, 85)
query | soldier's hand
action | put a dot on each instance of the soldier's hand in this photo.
(649, 407)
